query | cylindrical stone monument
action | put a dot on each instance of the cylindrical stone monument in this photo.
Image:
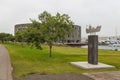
(93, 49)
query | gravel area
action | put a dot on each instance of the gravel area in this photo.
(56, 77)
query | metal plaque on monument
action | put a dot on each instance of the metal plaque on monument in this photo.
(93, 44)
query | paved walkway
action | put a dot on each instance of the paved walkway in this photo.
(5, 65)
(114, 75)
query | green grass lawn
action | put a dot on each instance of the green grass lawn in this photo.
(26, 61)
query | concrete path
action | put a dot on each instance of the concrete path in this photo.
(5, 65)
(113, 75)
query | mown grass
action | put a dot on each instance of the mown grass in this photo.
(28, 61)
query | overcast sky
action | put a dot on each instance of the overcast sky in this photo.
(82, 12)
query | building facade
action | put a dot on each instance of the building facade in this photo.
(20, 27)
(75, 37)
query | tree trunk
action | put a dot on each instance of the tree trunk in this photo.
(50, 50)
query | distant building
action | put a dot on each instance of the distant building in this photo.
(20, 27)
(75, 37)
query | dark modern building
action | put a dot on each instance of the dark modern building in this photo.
(20, 27)
(75, 37)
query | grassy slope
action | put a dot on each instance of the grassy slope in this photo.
(29, 61)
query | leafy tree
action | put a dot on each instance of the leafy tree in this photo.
(48, 29)
(20, 36)
(55, 28)
(6, 37)
(31, 35)
(34, 35)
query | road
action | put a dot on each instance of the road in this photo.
(5, 64)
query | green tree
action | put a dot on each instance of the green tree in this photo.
(31, 35)
(20, 36)
(55, 28)
(34, 34)
(48, 29)
(6, 37)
